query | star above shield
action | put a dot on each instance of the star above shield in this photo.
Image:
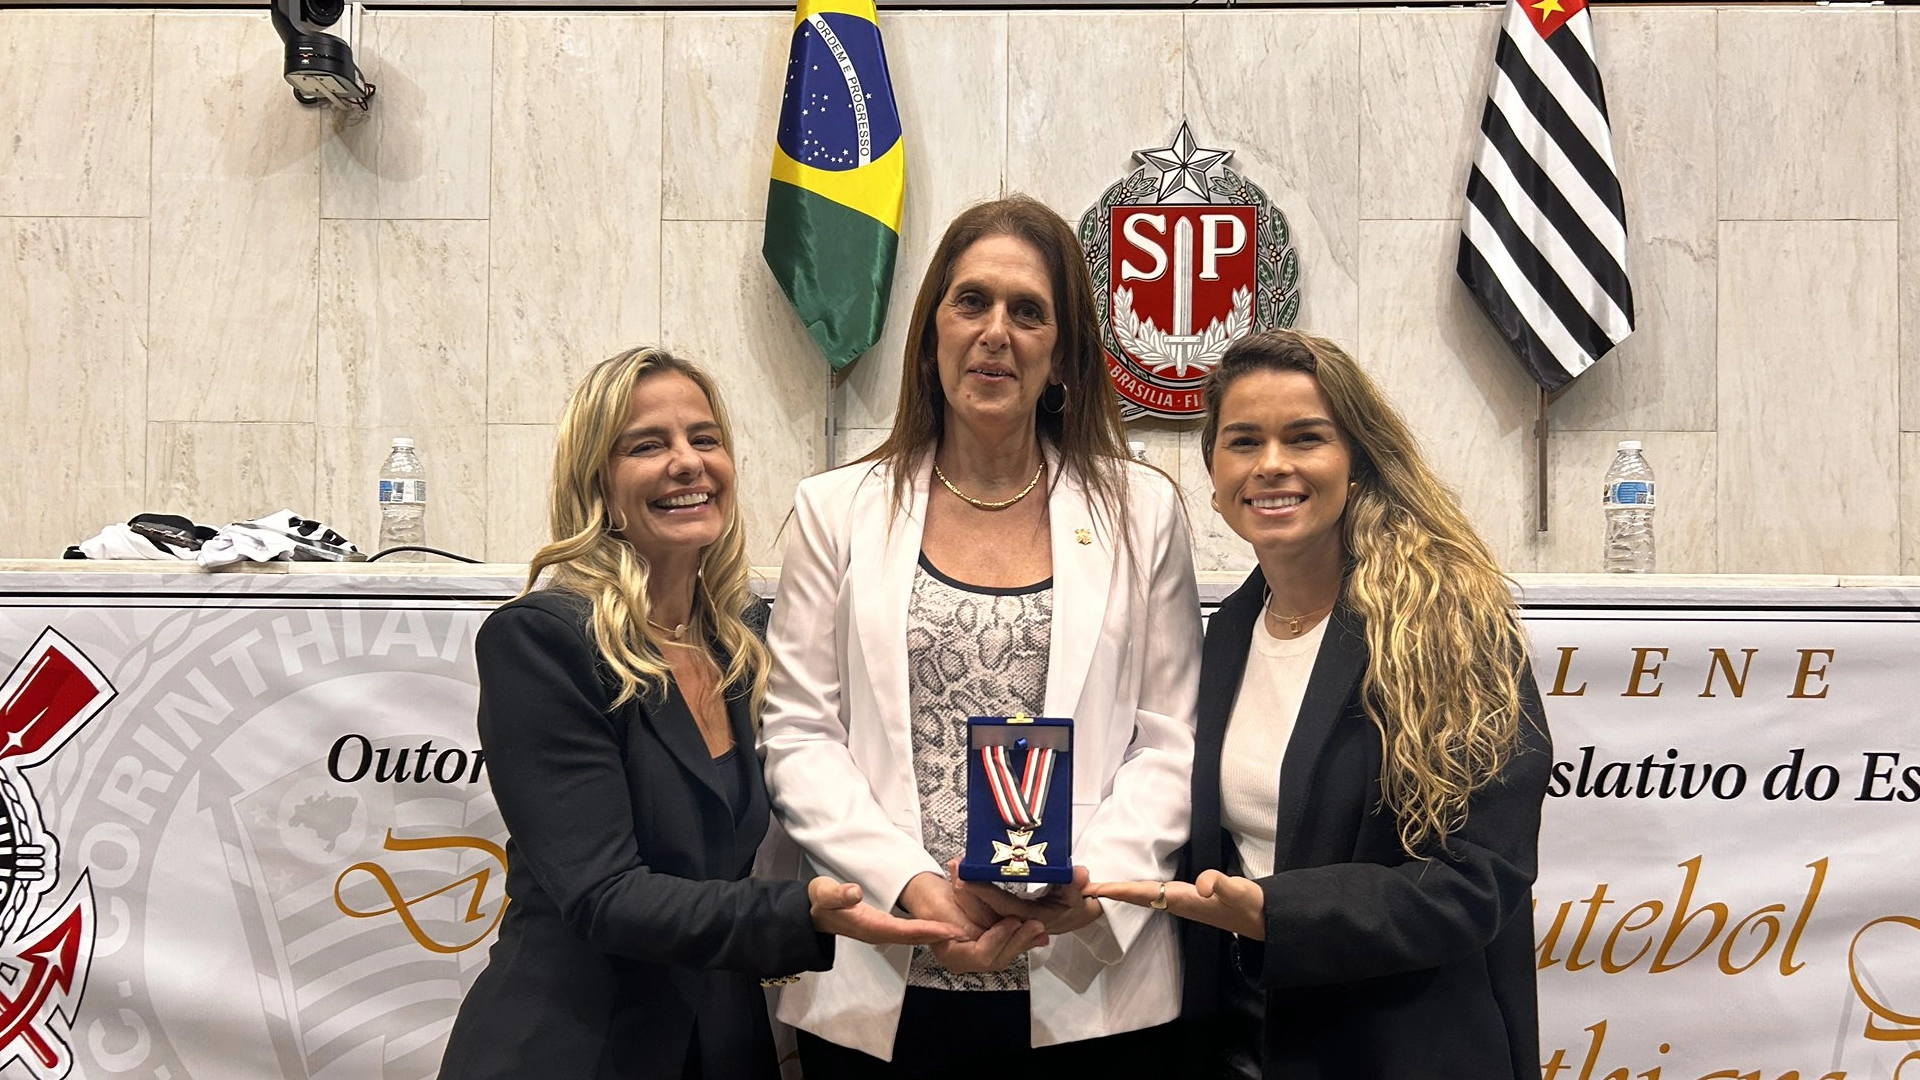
(1184, 166)
(1187, 256)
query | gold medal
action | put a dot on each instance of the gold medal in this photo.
(1019, 853)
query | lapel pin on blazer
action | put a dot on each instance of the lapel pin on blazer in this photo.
(1083, 536)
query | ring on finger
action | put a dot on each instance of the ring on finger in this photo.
(1159, 903)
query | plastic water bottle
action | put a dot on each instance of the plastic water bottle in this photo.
(403, 500)
(1629, 507)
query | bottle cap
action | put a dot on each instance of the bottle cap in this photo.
(1629, 444)
(407, 444)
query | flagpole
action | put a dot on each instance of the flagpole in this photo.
(1540, 460)
(832, 426)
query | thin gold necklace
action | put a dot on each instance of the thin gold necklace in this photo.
(672, 632)
(982, 504)
(1293, 621)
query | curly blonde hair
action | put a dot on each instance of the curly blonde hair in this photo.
(1448, 653)
(587, 557)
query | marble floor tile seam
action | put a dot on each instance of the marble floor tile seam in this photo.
(65, 217)
(711, 220)
(1554, 430)
(256, 423)
(1803, 217)
(406, 217)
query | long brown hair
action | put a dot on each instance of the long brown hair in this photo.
(1086, 430)
(1443, 684)
(587, 557)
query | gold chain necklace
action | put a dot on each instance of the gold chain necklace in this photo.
(1293, 621)
(982, 504)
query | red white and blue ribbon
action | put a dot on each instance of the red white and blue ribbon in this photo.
(1021, 804)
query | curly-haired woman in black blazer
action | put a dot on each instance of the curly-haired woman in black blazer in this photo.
(1371, 754)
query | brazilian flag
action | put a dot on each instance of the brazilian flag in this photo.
(839, 177)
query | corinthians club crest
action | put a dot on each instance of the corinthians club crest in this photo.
(1187, 255)
(45, 948)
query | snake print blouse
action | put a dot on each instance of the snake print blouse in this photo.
(971, 651)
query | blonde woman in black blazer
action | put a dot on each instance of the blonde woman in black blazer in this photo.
(1371, 754)
(617, 714)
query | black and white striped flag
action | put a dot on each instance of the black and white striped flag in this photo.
(1543, 243)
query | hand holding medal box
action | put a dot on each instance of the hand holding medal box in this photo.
(1019, 799)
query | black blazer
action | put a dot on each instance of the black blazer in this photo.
(632, 941)
(1375, 965)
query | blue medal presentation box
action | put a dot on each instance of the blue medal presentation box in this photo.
(1019, 799)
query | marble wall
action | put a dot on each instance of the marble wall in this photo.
(218, 303)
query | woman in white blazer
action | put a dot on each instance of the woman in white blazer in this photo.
(997, 554)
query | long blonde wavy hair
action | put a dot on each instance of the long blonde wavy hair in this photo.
(1448, 654)
(588, 558)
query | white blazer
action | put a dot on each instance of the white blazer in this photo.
(1123, 663)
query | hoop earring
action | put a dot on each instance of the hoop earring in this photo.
(1048, 392)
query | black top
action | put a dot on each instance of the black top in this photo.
(1375, 965)
(736, 772)
(984, 590)
(630, 912)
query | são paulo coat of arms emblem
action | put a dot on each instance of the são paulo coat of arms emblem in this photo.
(1187, 255)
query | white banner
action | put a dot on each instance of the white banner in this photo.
(245, 829)
(1729, 859)
(269, 845)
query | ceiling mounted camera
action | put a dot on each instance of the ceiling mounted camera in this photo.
(320, 65)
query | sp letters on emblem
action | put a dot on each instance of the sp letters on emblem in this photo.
(1186, 256)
